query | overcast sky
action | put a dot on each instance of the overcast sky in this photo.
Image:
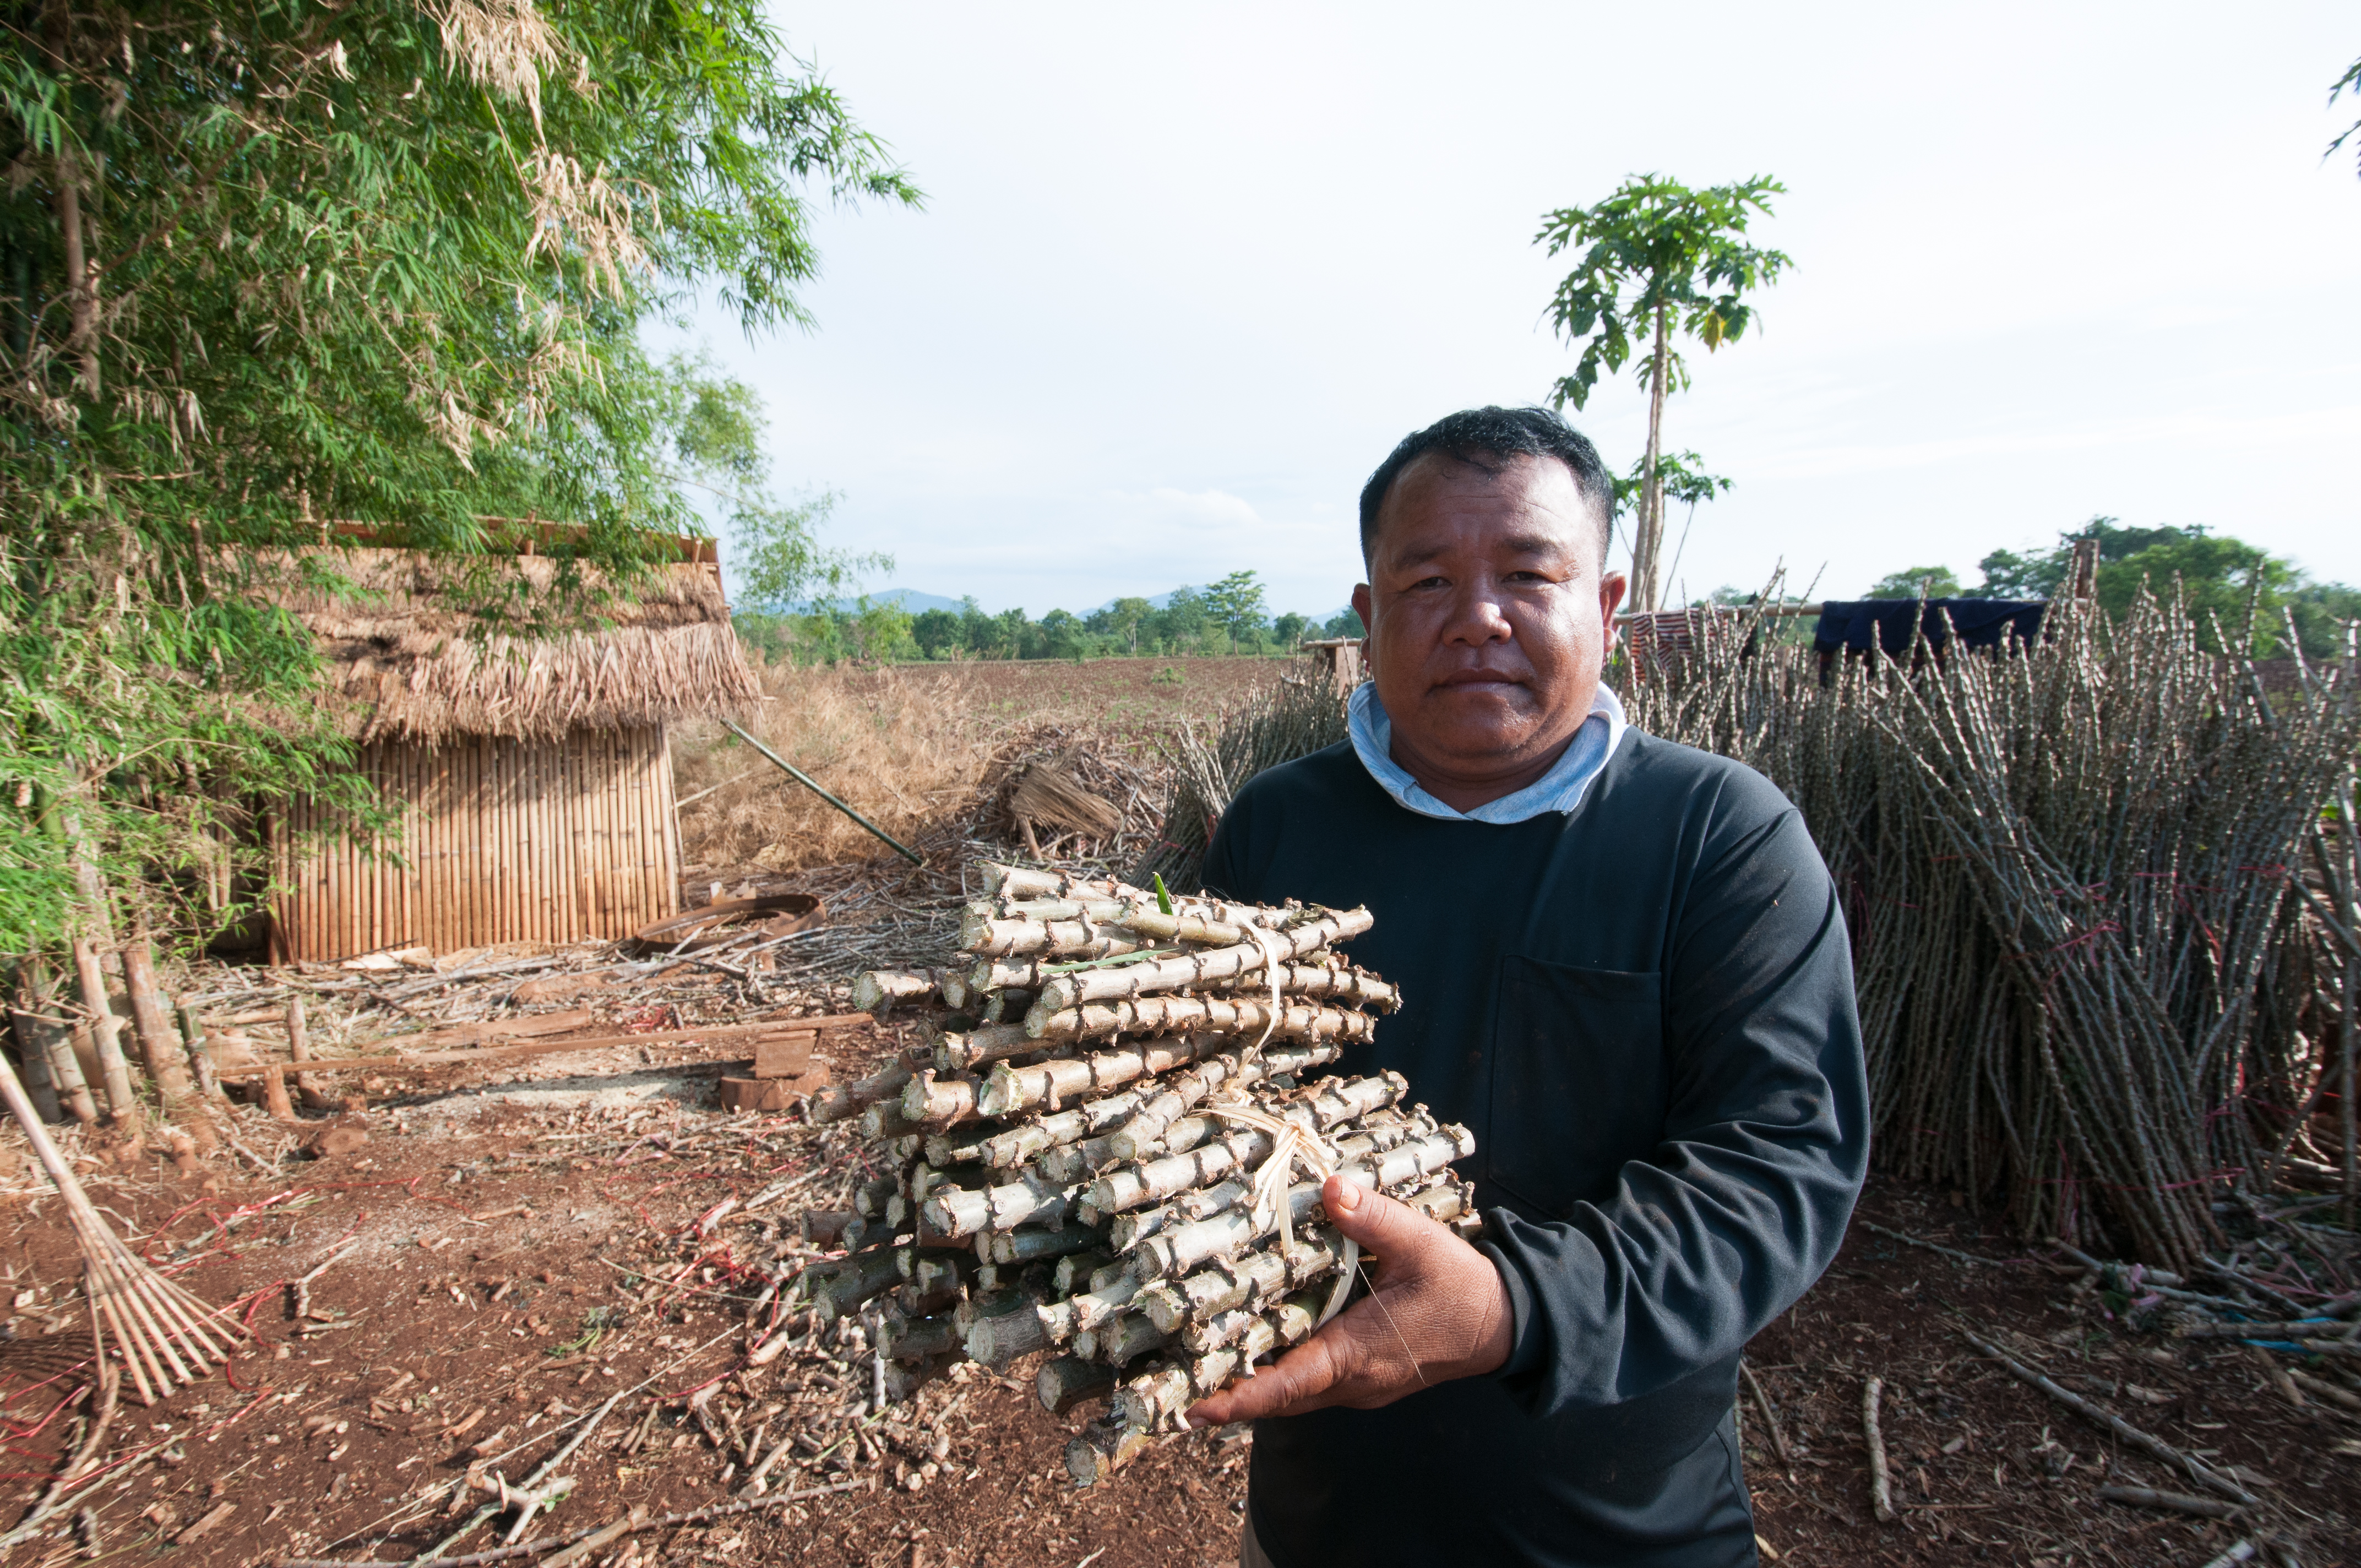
(1185, 274)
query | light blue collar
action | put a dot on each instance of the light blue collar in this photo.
(1560, 789)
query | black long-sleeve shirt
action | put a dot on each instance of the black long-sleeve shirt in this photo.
(1644, 1010)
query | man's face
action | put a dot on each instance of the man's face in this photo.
(1489, 617)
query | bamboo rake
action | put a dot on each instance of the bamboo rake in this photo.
(165, 1336)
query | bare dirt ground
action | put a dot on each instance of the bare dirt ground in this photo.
(525, 1254)
(512, 1251)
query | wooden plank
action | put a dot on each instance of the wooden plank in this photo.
(414, 922)
(529, 898)
(559, 779)
(516, 869)
(771, 1094)
(530, 1029)
(652, 833)
(548, 858)
(332, 889)
(436, 764)
(289, 871)
(731, 1032)
(785, 1056)
(372, 865)
(610, 834)
(499, 827)
(486, 818)
(646, 832)
(479, 844)
(618, 845)
(599, 798)
(669, 803)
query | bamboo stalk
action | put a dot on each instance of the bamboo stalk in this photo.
(106, 1035)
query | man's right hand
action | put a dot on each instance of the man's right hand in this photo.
(1439, 1311)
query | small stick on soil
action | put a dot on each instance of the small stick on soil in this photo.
(1930, 1246)
(2277, 1377)
(2321, 1388)
(92, 1442)
(1880, 1486)
(593, 1544)
(1769, 1415)
(2153, 1446)
(2235, 1555)
(2179, 1502)
(533, 1481)
(548, 1543)
(252, 1159)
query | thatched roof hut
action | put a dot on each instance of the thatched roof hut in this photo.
(533, 773)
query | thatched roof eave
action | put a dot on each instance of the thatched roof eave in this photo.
(405, 661)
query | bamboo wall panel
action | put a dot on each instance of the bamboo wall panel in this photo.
(500, 841)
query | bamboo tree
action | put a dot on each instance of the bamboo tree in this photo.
(1661, 261)
(268, 269)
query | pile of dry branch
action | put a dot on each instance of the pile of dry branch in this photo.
(1301, 713)
(2103, 942)
(1106, 1153)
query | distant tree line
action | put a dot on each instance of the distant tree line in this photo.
(1226, 617)
(2225, 579)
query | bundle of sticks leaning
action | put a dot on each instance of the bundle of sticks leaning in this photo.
(1112, 1149)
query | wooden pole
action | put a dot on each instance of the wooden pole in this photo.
(806, 780)
(299, 1049)
(274, 1093)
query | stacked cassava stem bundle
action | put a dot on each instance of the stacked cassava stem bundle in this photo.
(1112, 1149)
(2103, 937)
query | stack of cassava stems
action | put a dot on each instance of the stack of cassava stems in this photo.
(1112, 1149)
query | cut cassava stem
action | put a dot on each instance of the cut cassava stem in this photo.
(1188, 969)
(1881, 1485)
(1168, 1015)
(875, 990)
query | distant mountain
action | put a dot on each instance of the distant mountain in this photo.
(1159, 601)
(914, 602)
(908, 599)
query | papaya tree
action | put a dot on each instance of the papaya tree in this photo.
(1659, 260)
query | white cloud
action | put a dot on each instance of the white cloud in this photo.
(1185, 276)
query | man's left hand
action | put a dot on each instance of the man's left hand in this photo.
(1439, 1311)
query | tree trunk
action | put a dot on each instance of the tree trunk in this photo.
(1649, 543)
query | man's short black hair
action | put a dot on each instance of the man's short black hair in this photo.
(1474, 435)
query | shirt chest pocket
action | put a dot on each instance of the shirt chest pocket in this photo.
(1578, 1081)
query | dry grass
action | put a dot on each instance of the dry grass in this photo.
(938, 755)
(905, 753)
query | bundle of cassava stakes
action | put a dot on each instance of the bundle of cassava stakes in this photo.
(1112, 1150)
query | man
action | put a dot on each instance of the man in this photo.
(1624, 967)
